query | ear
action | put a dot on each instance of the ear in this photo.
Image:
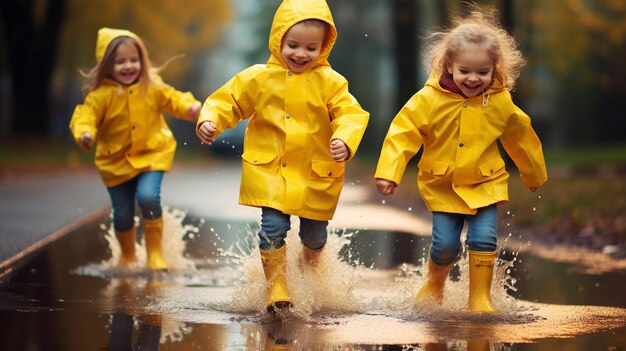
(449, 68)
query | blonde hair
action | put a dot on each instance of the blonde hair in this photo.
(480, 27)
(104, 68)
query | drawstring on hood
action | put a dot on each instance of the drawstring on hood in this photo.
(486, 97)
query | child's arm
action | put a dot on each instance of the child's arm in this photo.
(348, 121)
(86, 141)
(339, 151)
(227, 105)
(385, 187)
(180, 104)
(83, 124)
(523, 145)
(206, 132)
(404, 138)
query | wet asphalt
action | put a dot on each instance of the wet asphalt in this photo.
(37, 208)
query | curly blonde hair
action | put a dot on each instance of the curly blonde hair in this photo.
(480, 27)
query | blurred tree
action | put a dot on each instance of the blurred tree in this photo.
(577, 51)
(406, 49)
(37, 31)
(31, 29)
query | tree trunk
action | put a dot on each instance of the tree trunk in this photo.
(32, 43)
(405, 34)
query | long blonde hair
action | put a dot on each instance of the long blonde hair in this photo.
(103, 70)
(480, 27)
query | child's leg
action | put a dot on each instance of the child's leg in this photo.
(443, 251)
(481, 230)
(149, 200)
(123, 204)
(149, 194)
(313, 235)
(481, 240)
(274, 227)
(446, 241)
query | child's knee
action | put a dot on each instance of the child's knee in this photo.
(314, 243)
(444, 255)
(150, 205)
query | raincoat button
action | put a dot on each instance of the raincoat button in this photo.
(255, 161)
(431, 171)
(284, 164)
(456, 186)
(288, 116)
(289, 73)
(130, 91)
(460, 144)
(330, 173)
(491, 170)
(465, 104)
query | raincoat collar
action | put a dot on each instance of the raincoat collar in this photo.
(291, 12)
(434, 80)
(106, 36)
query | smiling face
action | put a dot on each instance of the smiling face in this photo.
(301, 45)
(127, 64)
(471, 70)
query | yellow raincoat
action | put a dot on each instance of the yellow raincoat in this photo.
(131, 132)
(461, 168)
(287, 163)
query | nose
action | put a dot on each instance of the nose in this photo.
(300, 53)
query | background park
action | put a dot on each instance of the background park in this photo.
(573, 87)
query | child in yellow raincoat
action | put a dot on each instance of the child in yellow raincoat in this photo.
(457, 117)
(122, 110)
(304, 125)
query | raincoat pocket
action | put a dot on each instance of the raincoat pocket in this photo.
(433, 167)
(107, 149)
(491, 168)
(155, 141)
(257, 158)
(328, 169)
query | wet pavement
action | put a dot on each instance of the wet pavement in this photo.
(68, 295)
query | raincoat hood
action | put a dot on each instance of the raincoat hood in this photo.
(106, 36)
(291, 12)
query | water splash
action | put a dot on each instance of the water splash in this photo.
(327, 287)
(173, 247)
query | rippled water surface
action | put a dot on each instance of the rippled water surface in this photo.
(71, 297)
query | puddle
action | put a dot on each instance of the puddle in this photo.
(71, 297)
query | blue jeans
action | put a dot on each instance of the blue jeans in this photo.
(146, 187)
(481, 233)
(275, 224)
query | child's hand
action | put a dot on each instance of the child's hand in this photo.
(385, 187)
(194, 111)
(86, 141)
(338, 150)
(206, 132)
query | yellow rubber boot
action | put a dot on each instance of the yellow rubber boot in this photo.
(436, 280)
(480, 273)
(153, 233)
(311, 257)
(275, 268)
(127, 245)
(478, 345)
